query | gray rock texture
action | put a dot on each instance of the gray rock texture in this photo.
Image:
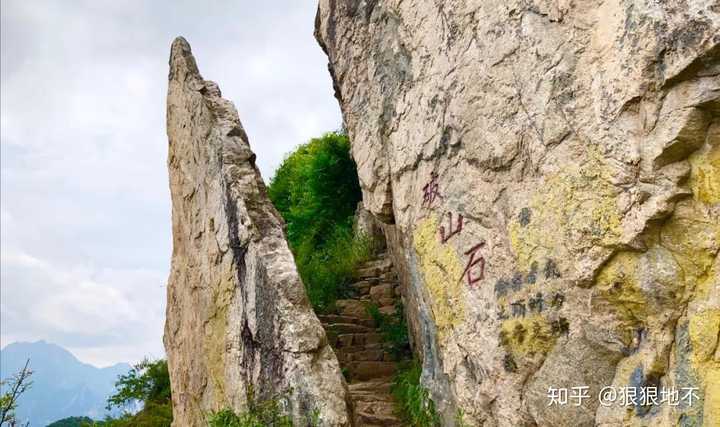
(548, 176)
(238, 321)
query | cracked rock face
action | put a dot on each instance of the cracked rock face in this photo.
(548, 175)
(238, 320)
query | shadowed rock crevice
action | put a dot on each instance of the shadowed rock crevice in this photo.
(357, 340)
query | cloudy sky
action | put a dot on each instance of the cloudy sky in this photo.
(85, 202)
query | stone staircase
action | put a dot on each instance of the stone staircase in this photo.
(358, 344)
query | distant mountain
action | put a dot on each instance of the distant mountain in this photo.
(62, 385)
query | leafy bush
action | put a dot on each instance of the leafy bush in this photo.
(72, 422)
(147, 381)
(316, 190)
(328, 271)
(460, 419)
(413, 399)
(393, 329)
(151, 415)
(266, 413)
(257, 417)
(147, 384)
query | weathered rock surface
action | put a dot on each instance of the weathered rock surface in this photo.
(548, 172)
(238, 320)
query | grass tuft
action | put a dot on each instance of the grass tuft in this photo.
(413, 400)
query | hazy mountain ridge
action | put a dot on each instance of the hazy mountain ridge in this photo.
(62, 386)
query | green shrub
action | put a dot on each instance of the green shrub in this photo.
(266, 413)
(72, 422)
(460, 419)
(393, 329)
(316, 190)
(148, 382)
(257, 417)
(413, 399)
(151, 415)
(328, 271)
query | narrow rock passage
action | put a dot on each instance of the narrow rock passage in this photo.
(357, 341)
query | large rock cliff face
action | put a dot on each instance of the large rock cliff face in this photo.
(548, 172)
(238, 321)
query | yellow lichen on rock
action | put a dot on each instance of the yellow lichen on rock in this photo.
(527, 336)
(635, 283)
(691, 234)
(216, 332)
(442, 271)
(579, 206)
(617, 283)
(704, 333)
(705, 175)
(711, 409)
(704, 328)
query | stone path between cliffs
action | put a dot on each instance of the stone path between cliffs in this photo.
(358, 344)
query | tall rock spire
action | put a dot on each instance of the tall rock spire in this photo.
(238, 321)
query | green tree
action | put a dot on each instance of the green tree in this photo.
(147, 381)
(148, 384)
(412, 399)
(316, 190)
(16, 386)
(72, 422)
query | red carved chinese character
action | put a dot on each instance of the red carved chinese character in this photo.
(443, 237)
(472, 263)
(431, 190)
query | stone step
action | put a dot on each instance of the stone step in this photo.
(376, 413)
(381, 262)
(376, 355)
(348, 340)
(381, 291)
(327, 319)
(381, 385)
(365, 419)
(352, 308)
(363, 287)
(364, 370)
(389, 276)
(372, 396)
(374, 270)
(362, 347)
(384, 301)
(388, 309)
(372, 281)
(348, 328)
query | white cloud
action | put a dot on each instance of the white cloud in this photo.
(85, 202)
(86, 308)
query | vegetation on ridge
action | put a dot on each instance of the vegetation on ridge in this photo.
(316, 189)
(147, 384)
(413, 400)
(12, 388)
(394, 330)
(260, 413)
